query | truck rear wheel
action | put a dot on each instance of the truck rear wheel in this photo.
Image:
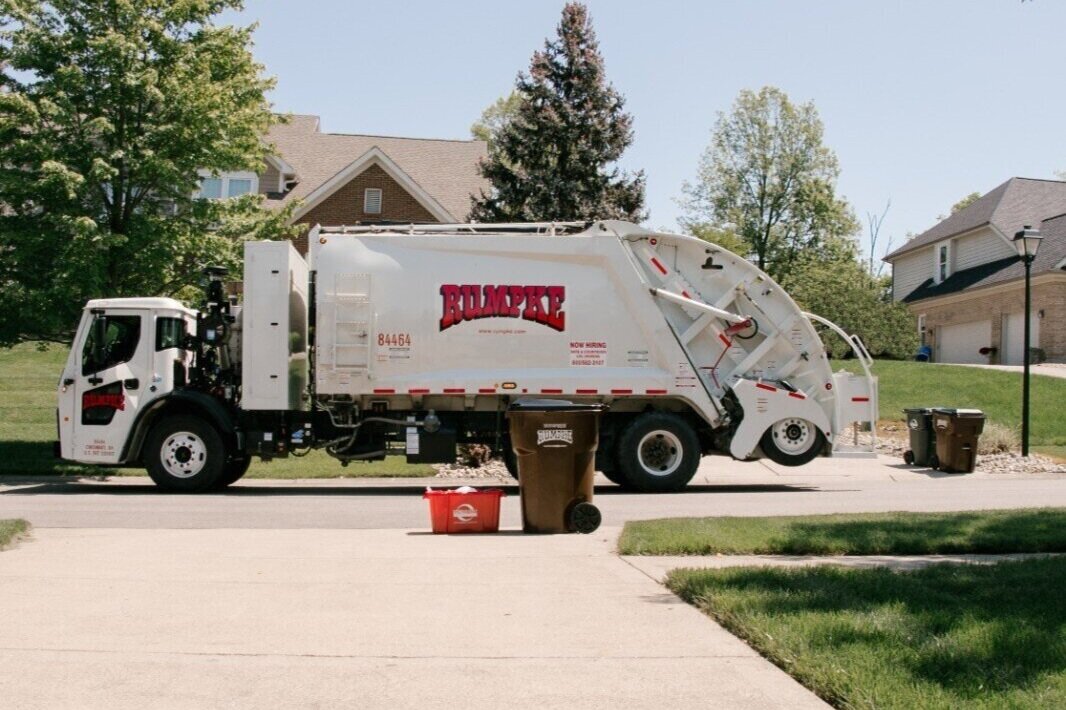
(185, 453)
(658, 452)
(792, 442)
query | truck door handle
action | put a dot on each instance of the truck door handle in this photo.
(132, 383)
(95, 380)
(68, 381)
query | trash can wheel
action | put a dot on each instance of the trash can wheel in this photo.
(908, 458)
(584, 517)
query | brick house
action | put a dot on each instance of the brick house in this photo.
(343, 179)
(964, 279)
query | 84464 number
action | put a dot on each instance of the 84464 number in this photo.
(395, 340)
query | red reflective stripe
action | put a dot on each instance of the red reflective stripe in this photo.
(658, 265)
(728, 343)
(768, 388)
(580, 391)
(621, 391)
(860, 399)
(416, 391)
(454, 390)
(487, 390)
(655, 391)
(797, 395)
(551, 391)
(685, 294)
(387, 391)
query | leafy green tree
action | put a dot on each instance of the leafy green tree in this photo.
(965, 202)
(107, 112)
(554, 157)
(768, 178)
(495, 117)
(845, 292)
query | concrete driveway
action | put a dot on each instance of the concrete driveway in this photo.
(112, 619)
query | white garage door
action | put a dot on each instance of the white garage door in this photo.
(1012, 351)
(962, 342)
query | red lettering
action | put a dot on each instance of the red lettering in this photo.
(452, 312)
(534, 306)
(556, 317)
(518, 295)
(471, 302)
(494, 302)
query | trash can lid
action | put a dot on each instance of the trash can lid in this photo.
(919, 410)
(554, 405)
(951, 411)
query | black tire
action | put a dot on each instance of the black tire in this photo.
(234, 471)
(908, 458)
(185, 453)
(615, 476)
(658, 452)
(793, 442)
(584, 517)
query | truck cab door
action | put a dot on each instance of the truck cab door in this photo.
(107, 373)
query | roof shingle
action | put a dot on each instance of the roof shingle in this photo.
(446, 169)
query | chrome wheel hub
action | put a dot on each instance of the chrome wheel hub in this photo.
(793, 436)
(660, 452)
(183, 454)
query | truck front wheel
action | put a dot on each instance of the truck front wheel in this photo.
(792, 442)
(658, 452)
(185, 453)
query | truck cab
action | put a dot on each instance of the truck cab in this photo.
(127, 353)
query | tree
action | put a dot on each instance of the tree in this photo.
(554, 158)
(965, 202)
(107, 112)
(844, 292)
(767, 177)
(495, 117)
(874, 222)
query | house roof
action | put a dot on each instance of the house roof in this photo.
(1050, 257)
(445, 169)
(1008, 208)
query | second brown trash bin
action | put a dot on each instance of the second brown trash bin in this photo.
(555, 443)
(957, 432)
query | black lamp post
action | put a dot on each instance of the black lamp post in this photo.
(1027, 241)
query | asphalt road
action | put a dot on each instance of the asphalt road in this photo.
(721, 488)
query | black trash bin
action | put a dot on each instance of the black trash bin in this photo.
(923, 441)
(555, 444)
(957, 432)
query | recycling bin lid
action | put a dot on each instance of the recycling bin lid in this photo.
(920, 410)
(554, 405)
(951, 411)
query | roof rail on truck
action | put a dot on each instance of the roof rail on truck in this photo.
(546, 228)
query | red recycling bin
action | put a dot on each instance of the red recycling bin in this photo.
(464, 510)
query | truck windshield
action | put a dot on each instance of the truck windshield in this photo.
(120, 343)
(169, 333)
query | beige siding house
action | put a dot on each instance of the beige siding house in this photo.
(963, 278)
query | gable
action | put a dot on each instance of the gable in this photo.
(345, 204)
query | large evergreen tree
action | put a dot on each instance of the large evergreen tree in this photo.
(555, 158)
(108, 108)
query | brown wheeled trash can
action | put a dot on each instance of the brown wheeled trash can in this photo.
(957, 432)
(555, 444)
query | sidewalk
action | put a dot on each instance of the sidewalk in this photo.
(358, 618)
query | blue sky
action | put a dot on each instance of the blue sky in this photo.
(923, 101)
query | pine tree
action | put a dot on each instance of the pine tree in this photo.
(555, 160)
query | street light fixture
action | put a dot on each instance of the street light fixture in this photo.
(1027, 242)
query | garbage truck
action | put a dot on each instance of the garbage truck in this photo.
(416, 339)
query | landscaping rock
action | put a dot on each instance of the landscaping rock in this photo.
(493, 470)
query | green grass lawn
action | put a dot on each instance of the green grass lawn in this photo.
(998, 531)
(28, 381)
(997, 393)
(11, 530)
(947, 636)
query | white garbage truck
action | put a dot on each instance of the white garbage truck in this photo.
(416, 339)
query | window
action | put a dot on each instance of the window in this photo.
(372, 200)
(217, 187)
(210, 188)
(120, 335)
(169, 333)
(238, 187)
(943, 262)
